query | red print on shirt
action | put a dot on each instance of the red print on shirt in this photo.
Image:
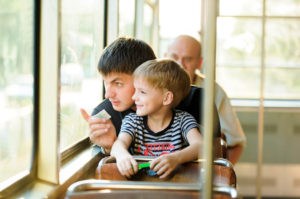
(158, 148)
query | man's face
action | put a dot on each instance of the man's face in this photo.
(119, 90)
(187, 54)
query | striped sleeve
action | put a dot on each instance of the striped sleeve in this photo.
(129, 125)
(188, 123)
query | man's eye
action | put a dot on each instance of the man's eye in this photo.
(143, 92)
(118, 83)
(174, 57)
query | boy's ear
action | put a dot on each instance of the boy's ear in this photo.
(168, 98)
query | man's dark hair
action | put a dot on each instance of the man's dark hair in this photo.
(124, 55)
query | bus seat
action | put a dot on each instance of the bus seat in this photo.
(186, 173)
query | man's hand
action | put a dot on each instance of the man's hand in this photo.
(102, 131)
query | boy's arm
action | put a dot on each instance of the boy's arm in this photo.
(165, 164)
(125, 162)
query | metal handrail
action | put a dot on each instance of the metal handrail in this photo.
(96, 185)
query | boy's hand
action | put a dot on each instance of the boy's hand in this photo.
(102, 131)
(164, 165)
(127, 165)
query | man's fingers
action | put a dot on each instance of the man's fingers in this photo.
(84, 114)
(97, 133)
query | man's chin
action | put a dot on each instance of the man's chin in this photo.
(120, 108)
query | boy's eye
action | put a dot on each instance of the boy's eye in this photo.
(143, 92)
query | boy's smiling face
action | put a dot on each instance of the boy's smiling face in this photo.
(147, 99)
(119, 90)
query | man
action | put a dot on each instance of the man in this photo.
(187, 51)
(116, 66)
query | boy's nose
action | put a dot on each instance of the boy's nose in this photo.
(134, 97)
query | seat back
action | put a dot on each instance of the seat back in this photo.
(186, 173)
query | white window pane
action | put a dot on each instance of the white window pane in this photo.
(283, 7)
(241, 7)
(148, 24)
(282, 59)
(240, 82)
(238, 56)
(81, 87)
(126, 17)
(16, 88)
(283, 43)
(282, 83)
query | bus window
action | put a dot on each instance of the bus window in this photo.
(126, 17)
(16, 90)
(81, 87)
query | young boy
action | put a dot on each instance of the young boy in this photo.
(116, 66)
(157, 129)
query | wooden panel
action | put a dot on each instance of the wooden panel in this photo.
(186, 173)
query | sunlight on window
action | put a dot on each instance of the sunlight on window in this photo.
(126, 17)
(81, 86)
(178, 17)
(16, 90)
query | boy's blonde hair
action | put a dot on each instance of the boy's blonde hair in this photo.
(165, 74)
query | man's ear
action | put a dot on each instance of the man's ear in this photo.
(168, 98)
(200, 63)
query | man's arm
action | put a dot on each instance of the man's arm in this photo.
(234, 152)
(230, 125)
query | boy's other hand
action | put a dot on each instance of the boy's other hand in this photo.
(164, 165)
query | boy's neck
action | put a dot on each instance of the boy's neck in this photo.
(159, 121)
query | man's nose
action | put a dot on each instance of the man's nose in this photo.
(109, 92)
(181, 61)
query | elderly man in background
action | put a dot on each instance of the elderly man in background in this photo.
(187, 51)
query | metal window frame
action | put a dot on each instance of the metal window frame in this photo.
(48, 156)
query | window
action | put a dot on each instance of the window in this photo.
(126, 17)
(242, 32)
(177, 17)
(148, 24)
(81, 87)
(258, 48)
(16, 90)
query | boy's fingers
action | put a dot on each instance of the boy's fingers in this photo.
(84, 114)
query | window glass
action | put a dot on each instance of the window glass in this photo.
(282, 83)
(283, 7)
(148, 24)
(239, 67)
(238, 56)
(241, 7)
(282, 58)
(126, 17)
(81, 87)
(183, 18)
(16, 89)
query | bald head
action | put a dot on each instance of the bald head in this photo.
(187, 51)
